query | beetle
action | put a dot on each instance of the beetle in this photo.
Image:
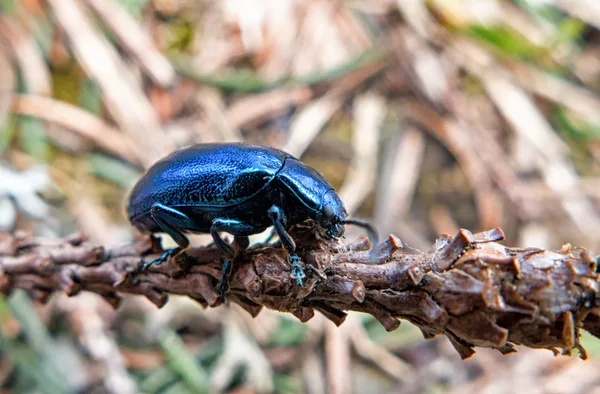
(237, 188)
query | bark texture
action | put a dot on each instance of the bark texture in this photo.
(469, 288)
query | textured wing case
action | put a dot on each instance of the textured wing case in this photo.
(211, 175)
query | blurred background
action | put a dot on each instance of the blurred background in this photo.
(426, 116)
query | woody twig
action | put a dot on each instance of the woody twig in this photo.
(469, 288)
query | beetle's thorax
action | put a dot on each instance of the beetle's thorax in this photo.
(306, 193)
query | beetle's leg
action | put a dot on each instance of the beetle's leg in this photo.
(241, 243)
(170, 220)
(288, 243)
(230, 226)
(223, 285)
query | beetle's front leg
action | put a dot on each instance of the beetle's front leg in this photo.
(288, 243)
(230, 226)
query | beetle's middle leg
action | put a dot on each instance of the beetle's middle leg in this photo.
(231, 226)
(288, 243)
(170, 220)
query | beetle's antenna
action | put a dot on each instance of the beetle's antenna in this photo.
(373, 236)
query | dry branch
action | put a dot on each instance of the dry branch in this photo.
(470, 288)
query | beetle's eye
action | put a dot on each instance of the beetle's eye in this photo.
(328, 211)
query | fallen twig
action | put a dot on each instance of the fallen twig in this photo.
(470, 288)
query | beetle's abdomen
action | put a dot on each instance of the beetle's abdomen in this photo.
(208, 174)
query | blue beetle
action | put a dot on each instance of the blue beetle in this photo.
(238, 188)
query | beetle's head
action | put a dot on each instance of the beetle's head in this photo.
(332, 214)
(332, 217)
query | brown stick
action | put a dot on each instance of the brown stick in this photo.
(470, 288)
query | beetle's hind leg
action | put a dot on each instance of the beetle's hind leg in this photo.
(230, 226)
(288, 243)
(170, 220)
(241, 243)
